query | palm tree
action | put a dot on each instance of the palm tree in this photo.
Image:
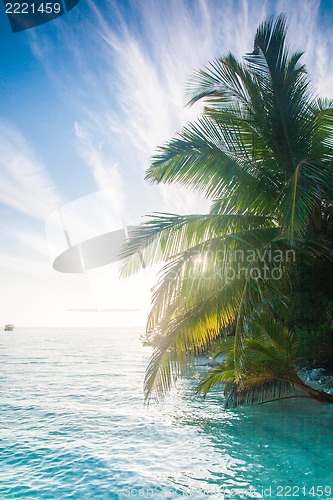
(271, 365)
(262, 153)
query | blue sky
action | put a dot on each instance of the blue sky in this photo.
(85, 101)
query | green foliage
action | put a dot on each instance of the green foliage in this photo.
(312, 294)
(316, 346)
(272, 360)
(262, 152)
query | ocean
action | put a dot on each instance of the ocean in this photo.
(74, 425)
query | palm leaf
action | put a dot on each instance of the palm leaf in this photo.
(262, 153)
(303, 191)
(167, 236)
(257, 390)
(218, 375)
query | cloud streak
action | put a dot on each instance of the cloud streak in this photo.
(24, 182)
(128, 92)
(105, 173)
(29, 239)
(148, 63)
(120, 74)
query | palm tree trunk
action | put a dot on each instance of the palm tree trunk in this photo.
(325, 397)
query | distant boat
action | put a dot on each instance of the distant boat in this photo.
(9, 328)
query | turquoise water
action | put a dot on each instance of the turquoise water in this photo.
(73, 425)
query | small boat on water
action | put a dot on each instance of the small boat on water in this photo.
(9, 328)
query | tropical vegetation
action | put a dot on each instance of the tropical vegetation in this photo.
(262, 153)
(271, 367)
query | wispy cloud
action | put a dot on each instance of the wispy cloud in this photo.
(148, 62)
(129, 96)
(105, 172)
(24, 182)
(309, 33)
(121, 76)
(10, 263)
(29, 239)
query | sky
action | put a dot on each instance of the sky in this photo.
(85, 101)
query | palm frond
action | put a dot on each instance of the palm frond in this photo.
(262, 152)
(209, 157)
(166, 236)
(303, 191)
(218, 375)
(268, 368)
(224, 81)
(257, 390)
(192, 308)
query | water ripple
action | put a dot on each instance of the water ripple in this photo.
(73, 425)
